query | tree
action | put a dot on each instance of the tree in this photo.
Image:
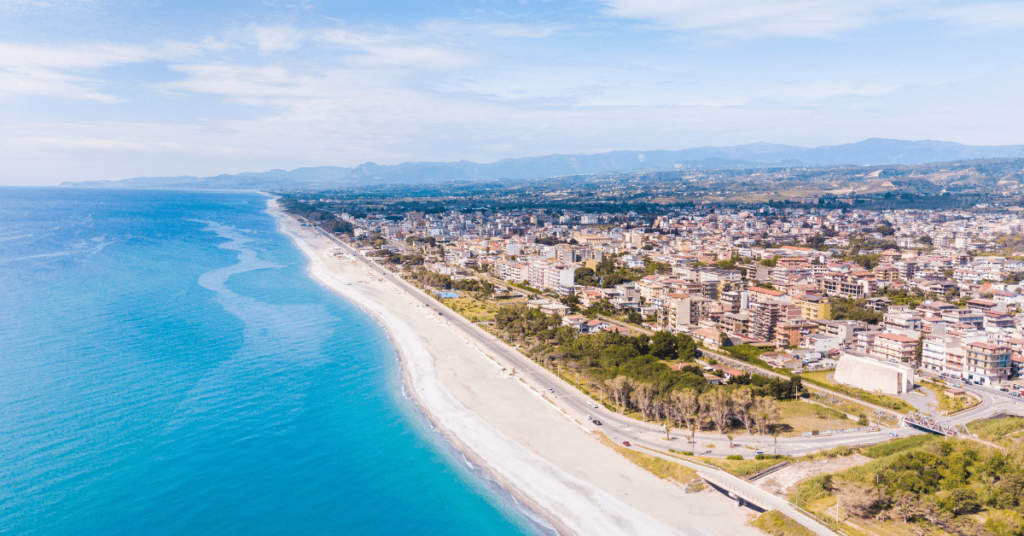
(723, 339)
(643, 398)
(766, 413)
(664, 345)
(718, 405)
(687, 347)
(634, 317)
(585, 276)
(906, 505)
(857, 498)
(1005, 524)
(961, 501)
(742, 404)
(925, 240)
(619, 388)
(685, 406)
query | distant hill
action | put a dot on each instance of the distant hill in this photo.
(874, 151)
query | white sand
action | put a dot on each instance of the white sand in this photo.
(542, 458)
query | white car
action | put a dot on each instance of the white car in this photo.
(589, 418)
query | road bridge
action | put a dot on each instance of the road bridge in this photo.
(938, 425)
(742, 498)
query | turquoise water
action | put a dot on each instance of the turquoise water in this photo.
(167, 367)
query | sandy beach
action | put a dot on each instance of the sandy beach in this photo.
(542, 458)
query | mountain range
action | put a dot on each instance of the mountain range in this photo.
(870, 152)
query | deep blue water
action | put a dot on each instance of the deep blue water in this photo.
(168, 367)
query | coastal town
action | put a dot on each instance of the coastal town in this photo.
(936, 289)
(784, 344)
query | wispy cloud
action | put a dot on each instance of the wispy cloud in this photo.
(808, 18)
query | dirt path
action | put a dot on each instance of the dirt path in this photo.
(783, 480)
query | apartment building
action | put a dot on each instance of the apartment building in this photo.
(902, 319)
(987, 363)
(813, 307)
(893, 347)
(937, 354)
(845, 286)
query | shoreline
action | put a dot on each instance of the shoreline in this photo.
(411, 393)
(558, 474)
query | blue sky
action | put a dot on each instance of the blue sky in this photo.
(98, 89)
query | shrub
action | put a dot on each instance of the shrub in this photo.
(734, 457)
(898, 445)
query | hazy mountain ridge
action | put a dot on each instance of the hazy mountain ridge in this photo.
(874, 151)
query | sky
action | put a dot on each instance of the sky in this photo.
(112, 89)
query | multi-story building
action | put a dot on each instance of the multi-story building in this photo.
(937, 354)
(813, 307)
(845, 286)
(681, 311)
(766, 316)
(902, 319)
(511, 271)
(987, 363)
(894, 347)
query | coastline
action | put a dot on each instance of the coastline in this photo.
(543, 459)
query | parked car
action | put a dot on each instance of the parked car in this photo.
(626, 444)
(589, 418)
(598, 423)
(550, 390)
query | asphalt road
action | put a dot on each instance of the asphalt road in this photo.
(572, 401)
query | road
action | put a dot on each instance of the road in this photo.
(993, 402)
(571, 401)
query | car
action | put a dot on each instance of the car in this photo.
(440, 313)
(550, 390)
(589, 418)
(626, 444)
(756, 452)
(598, 423)
(1014, 393)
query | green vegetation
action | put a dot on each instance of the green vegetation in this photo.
(895, 404)
(663, 469)
(847, 309)
(316, 212)
(472, 309)
(739, 466)
(924, 484)
(899, 445)
(1001, 431)
(949, 405)
(776, 523)
(632, 373)
(798, 417)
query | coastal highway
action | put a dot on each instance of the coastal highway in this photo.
(569, 400)
(578, 406)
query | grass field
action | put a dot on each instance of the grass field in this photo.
(741, 468)
(822, 379)
(472, 309)
(798, 417)
(1002, 431)
(775, 523)
(949, 405)
(658, 467)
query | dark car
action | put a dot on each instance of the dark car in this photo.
(597, 423)
(626, 444)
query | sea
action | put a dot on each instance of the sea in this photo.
(168, 367)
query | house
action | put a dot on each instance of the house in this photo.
(712, 379)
